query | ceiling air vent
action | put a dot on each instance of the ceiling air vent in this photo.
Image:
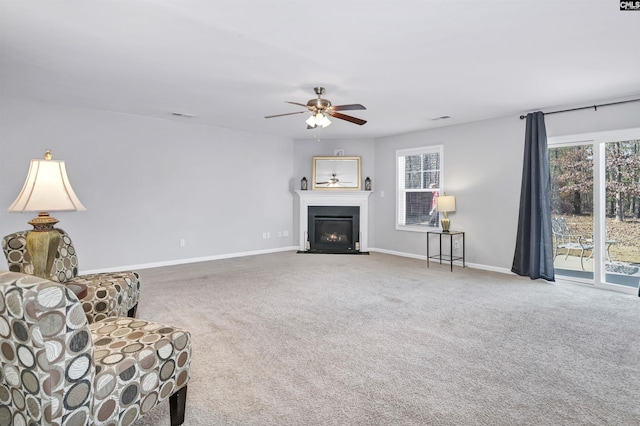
(182, 114)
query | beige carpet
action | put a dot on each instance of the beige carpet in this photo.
(301, 339)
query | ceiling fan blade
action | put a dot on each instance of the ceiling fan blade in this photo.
(347, 107)
(289, 113)
(349, 118)
(296, 103)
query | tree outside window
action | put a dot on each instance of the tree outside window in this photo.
(419, 173)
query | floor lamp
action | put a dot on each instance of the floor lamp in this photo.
(46, 189)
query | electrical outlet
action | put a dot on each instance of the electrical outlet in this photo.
(182, 242)
(268, 235)
(279, 234)
(456, 245)
(264, 235)
(285, 233)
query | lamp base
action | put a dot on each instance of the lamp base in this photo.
(445, 224)
(42, 244)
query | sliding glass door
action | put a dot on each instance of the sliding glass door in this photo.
(595, 197)
(572, 210)
(621, 237)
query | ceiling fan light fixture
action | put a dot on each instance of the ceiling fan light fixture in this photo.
(311, 121)
(322, 120)
(321, 109)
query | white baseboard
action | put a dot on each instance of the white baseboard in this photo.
(457, 262)
(562, 280)
(190, 260)
(276, 250)
(399, 253)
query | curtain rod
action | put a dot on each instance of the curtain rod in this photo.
(595, 107)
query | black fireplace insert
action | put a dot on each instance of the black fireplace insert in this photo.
(334, 229)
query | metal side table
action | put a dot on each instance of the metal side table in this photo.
(447, 257)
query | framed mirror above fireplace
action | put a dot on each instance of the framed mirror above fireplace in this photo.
(336, 173)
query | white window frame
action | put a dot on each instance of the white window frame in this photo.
(598, 140)
(400, 192)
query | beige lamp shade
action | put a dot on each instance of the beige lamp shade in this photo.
(47, 188)
(446, 203)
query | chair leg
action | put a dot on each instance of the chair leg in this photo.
(132, 312)
(177, 402)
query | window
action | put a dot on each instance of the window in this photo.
(419, 174)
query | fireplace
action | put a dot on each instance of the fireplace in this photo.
(356, 214)
(358, 200)
(334, 229)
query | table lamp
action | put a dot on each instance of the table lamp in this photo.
(445, 204)
(46, 189)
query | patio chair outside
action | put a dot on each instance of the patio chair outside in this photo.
(565, 240)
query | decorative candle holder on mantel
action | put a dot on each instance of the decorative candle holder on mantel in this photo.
(367, 184)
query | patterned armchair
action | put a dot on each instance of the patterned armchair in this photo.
(109, 294)
(58, 370)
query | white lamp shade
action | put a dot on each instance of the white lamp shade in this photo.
(323, 120)
(318, 119)
(46, 189)
(446, 203)
(311, 121)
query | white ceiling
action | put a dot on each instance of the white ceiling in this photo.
(230, 63)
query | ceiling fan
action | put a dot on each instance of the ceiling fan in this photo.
(321, 108)
(333, 181)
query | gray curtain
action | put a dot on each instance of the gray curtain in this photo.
(534, 247)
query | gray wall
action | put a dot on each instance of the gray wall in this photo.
(147, 183)
(482, 163)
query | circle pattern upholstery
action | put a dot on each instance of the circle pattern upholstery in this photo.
(136, 361)
(56, 369)
(109, 294)
(45, 352)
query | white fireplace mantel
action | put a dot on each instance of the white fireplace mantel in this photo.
(334, 198)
